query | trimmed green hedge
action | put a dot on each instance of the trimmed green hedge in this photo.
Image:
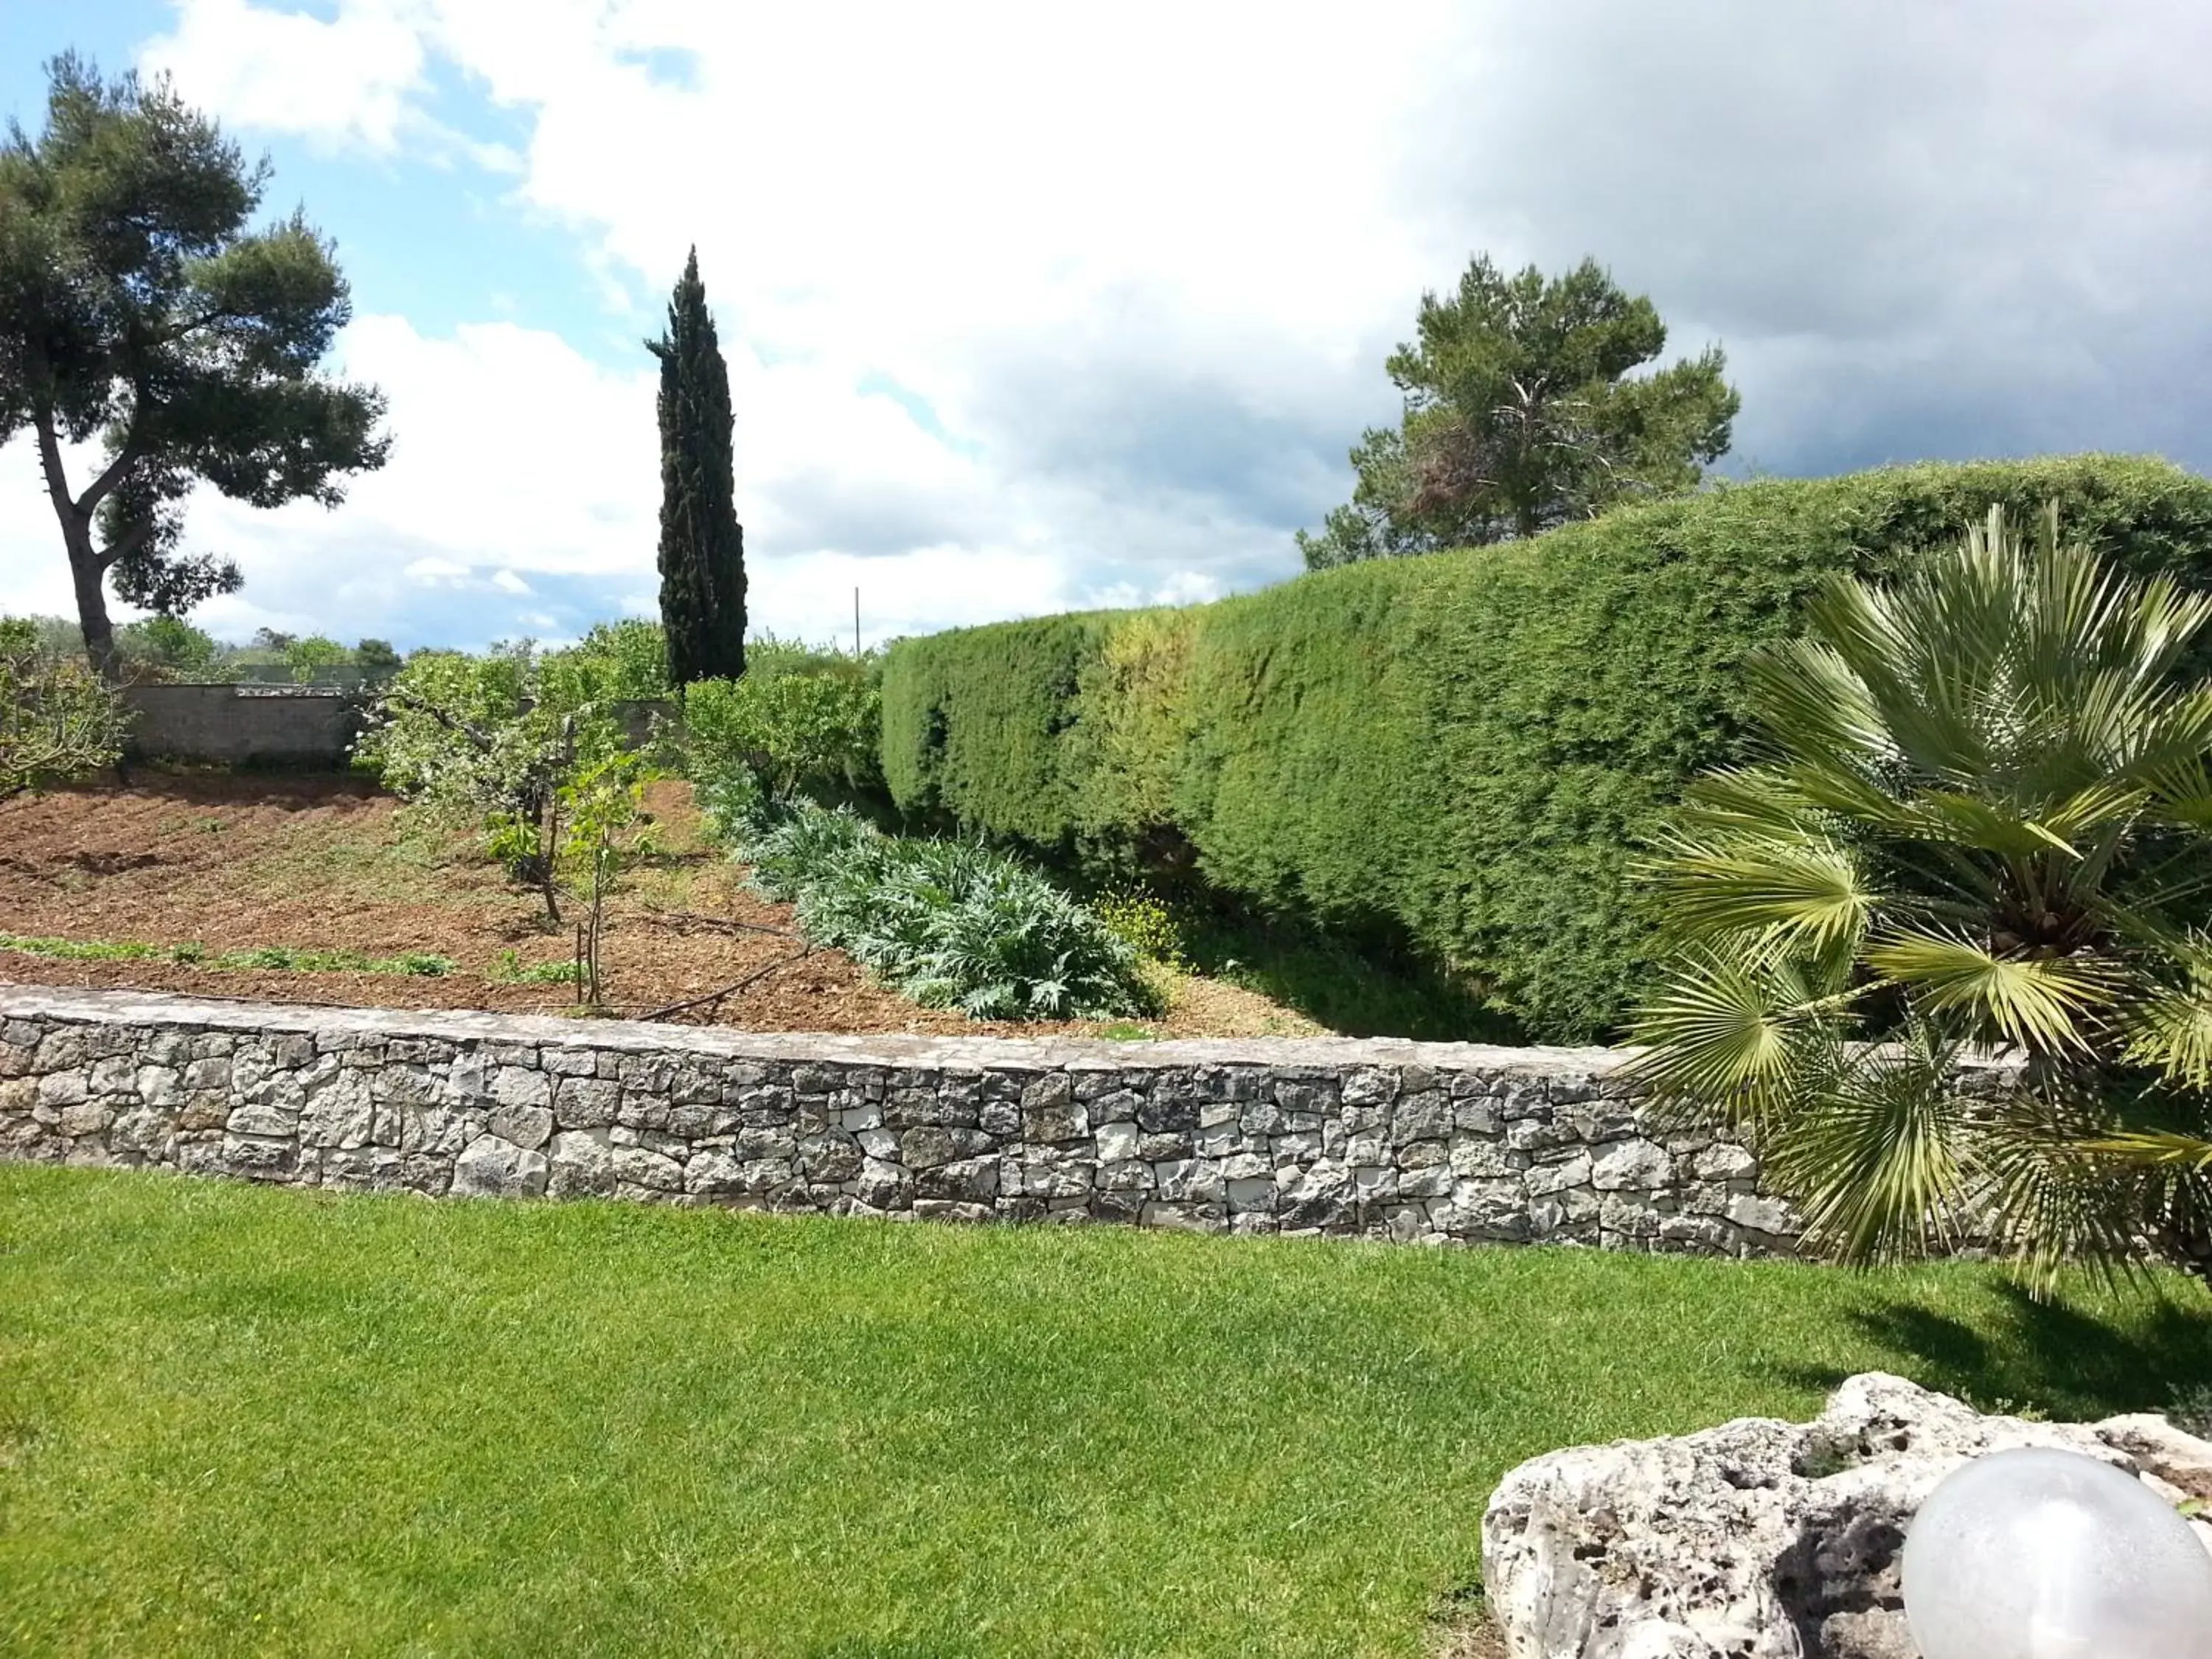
(1461, 750)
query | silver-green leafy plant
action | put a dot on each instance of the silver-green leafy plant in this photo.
(951, 924)
(1978, 816)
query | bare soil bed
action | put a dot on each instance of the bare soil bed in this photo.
(242, 861)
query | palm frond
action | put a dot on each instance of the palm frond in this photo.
(2039, 1002)
(1872, 1153)
(2154, 1148)
(1809, 893)
(1728, 1034)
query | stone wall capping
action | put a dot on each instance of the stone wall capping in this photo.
(1299, 1057)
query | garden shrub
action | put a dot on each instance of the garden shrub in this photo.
(951, 924)
(57, 721)
(1463, 752)
(973, 722)
(624, 661)
(801, 722)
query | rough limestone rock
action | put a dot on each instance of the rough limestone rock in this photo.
(1761, 1539)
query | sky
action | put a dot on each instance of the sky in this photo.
(1032, 307)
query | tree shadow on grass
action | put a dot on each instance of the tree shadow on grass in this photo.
(2061, 1357)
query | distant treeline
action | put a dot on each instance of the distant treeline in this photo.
(170, 649)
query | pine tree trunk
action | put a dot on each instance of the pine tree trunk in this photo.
(91, 582)
(87, 574)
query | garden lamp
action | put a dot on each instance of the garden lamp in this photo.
(2040, 1554)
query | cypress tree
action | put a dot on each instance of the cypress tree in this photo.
(703, 547)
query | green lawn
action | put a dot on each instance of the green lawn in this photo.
(235, 1420)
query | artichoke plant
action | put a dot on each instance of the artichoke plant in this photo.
(1977, 817)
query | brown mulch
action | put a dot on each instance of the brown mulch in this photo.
(236, 861)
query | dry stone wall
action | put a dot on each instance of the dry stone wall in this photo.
(1440, 1143)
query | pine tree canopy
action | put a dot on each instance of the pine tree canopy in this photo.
(137, 307)
(1521, 413)
(702, 550)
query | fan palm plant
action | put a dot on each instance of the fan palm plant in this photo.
(1978, 816)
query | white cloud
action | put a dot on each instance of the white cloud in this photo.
(1027, 306)
(351, 80)
(984, 196)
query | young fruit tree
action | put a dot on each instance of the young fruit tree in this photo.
(703, 547)
(139, 308)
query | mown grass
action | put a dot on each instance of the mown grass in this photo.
(239, 1420)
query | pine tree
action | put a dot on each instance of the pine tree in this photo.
(142, 309)
(703, 547)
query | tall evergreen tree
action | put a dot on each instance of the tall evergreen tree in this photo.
(703, 547)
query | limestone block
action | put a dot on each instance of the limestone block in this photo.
(527, 1126)
(258, 1159)
(1191, 1181)
(1632, 1165)
(275, 1122)
(1369, 1085)
(1425, 1117)
(490, 1167)
(713, 1174)
(931, 1146)
(63, 1089)
(1723, 1162)
(211, 1073)
(159, 1085)
(86, 1117)
(1435, 1181)
(1543, 1179)
(883, 1186)
(1252, 1195)
(831, 1157)
(582, 1165)
(1756, 1539)
(1765, 1215)
(1051, 1114)
(700, 1121)
(640, 1166)
(966, 1180)
(62, 1051)
(580, 1103)
(117, 1074)
(1164, 1114)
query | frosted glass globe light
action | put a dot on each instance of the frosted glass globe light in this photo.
(2039, 1554)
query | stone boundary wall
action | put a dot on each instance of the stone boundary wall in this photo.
(1438, 1142)
(250, 725)
(243, 724)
